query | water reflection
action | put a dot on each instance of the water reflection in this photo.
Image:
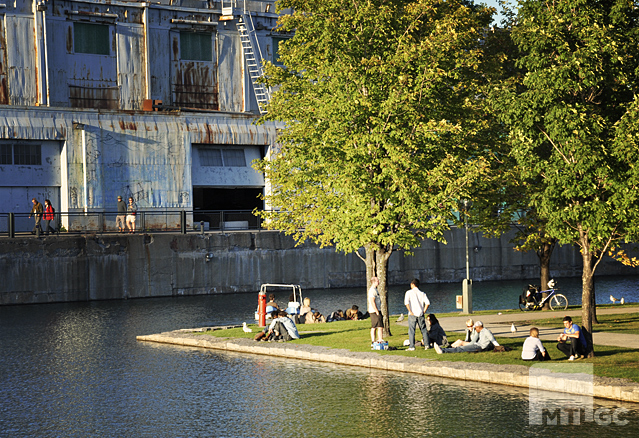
(76, 370)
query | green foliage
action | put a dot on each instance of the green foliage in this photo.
(383, 132)
(572, 119)
(581, 66)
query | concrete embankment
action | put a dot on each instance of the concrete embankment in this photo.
(111, 266)
(511, 375)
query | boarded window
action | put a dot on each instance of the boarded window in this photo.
(211, 157)
(234, 157)
(222, 157)
(27, 154)
(6, 155)
(91, 38)
(195, 46)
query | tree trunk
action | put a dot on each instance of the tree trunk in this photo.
(587, 284)
(381, 257)
(544, 254)
(370, 264)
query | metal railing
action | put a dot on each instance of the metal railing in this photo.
(146, 221)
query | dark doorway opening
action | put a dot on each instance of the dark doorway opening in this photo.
(207, 200)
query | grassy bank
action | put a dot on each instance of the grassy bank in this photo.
(355, 336)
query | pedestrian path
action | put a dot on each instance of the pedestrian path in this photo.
(500, 324)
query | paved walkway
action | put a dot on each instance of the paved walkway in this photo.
(500, 325)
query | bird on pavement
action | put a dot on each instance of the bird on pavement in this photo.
(513, 329)
(613, 299)
(401, 318)
(245, 328)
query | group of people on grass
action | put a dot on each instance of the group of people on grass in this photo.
(571, 342)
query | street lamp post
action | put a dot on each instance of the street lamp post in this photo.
(467, 283)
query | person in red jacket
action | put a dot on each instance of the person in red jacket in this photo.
(48, 217)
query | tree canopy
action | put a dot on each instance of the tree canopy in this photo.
(384, 130)
(572, 118)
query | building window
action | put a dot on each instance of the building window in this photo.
(91, 38)
(211, 157)
(195, 46)
(27, 154)
(222, 157)
(6, 155)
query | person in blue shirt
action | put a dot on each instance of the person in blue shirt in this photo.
(572, 341)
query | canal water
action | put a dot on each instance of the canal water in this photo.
(76, 370)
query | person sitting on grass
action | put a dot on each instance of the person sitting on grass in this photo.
(533, 349)
(576, 348)
(471, 335)
(314, 318)
(281, 328)
(353, 313)
(485, 342)
(271, 305)
(436, 334)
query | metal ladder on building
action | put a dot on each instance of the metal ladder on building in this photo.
(250, 49)
(253, 57)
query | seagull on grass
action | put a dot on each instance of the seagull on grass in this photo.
(245, 328)
(613, 299)
(401, 318)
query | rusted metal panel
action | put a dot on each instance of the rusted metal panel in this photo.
(4, 92)
(193, 83)
(21, 75)
(159, 60)
(231, 86)
(131, 65)
(92, 78)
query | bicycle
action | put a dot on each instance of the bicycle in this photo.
(531, 298)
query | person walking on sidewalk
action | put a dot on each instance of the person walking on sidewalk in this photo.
(131, 211)
(120, 219)
(36, 212)
(48, 217)
(417, 304)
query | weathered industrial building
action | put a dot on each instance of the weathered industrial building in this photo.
(153, 100)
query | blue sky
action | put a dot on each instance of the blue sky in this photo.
(494, 3)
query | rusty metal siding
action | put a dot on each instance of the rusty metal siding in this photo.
(131, 65)
(57, 30)
(193, 83)
(147, 156)
(231, 71)
(21, 75)
(159, 62)
(4, 92)
(92, 78)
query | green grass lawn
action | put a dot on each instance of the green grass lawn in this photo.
(355, 336)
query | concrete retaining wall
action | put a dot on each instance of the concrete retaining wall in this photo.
(567, 382)
(81, 268)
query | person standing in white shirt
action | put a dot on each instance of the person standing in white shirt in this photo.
(417, 304)
(374, 309)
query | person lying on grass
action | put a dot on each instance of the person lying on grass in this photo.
(485, 342)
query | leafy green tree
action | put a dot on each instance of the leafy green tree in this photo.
(382, 131)
(570, 119)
